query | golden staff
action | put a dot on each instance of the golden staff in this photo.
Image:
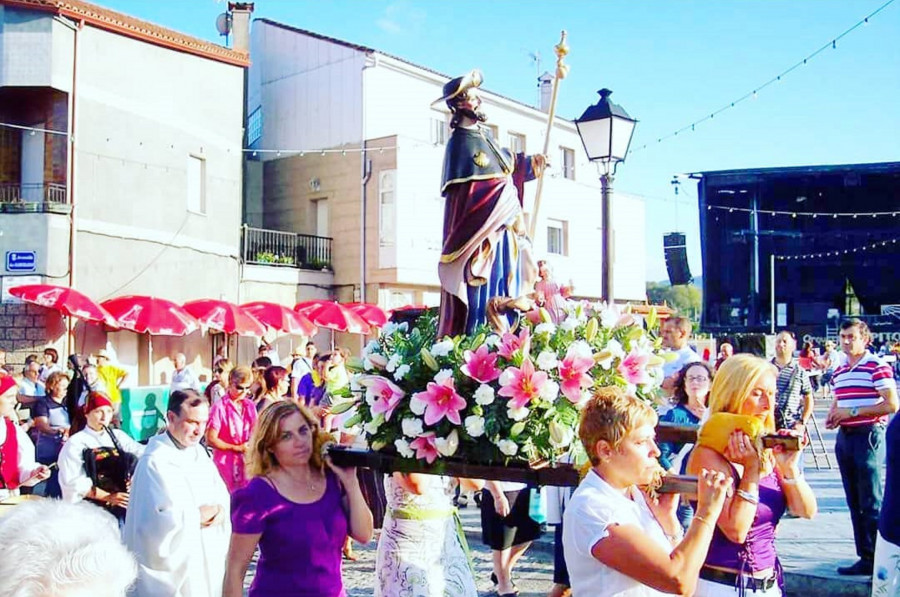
(561, 49)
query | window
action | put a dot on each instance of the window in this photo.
(516, 143)
(568, 162)
(495, 131)
(556, 237)
(254, 126)
(196, 184)
(387, 205)
(439, 128)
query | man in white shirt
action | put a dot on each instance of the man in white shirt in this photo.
(302, 364)
(178, 525)
(183, 378)
(675, 335)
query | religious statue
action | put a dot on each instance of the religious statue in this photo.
(549, 294)
(486, 260)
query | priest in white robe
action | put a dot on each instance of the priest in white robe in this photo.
(178, 523)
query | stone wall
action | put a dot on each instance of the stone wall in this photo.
(28, 329)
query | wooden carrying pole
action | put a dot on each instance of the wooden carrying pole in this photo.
(562, 70)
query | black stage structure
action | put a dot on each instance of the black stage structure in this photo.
(833, 232)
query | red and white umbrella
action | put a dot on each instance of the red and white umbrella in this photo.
(281, 318)
(65, 300)
(371, 314)
(225, 317)
(334, 316)
(151, 315)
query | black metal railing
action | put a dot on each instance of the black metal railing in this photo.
(33, 197)
(289, 249)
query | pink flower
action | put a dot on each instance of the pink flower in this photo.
(382, 394)
(520, 385)
(573, 374)
(425, 447)
(481, 365)
(634, 368)
(510, 343)
(441, 400)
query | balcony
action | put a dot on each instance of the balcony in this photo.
(33, 198)
(285, 249)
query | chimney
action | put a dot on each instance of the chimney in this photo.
(240, 25)
(545, 84)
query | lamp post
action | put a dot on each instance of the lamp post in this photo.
(605, 130)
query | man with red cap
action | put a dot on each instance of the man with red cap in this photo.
(76, 485)
(17, 464)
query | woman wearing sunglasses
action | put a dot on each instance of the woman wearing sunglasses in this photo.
(231, 421)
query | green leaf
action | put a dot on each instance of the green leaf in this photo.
(342, 407)
(354, 420)
(517, 429)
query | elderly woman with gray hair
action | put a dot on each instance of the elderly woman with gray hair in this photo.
(49, 547)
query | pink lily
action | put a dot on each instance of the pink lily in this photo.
(441, 401)
(481, 365)
(523, 384)
(510, 343)
(634, 368)
(573, 374)
(425, 447)
(385, 395)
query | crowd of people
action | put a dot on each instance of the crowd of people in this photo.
(240, 470)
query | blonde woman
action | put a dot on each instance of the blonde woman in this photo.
(297, 510)
(767, 481)
(618, 541)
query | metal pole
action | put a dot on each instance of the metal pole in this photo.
(609, 257)
(772, 292)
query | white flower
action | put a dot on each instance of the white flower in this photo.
(544, 328)
(508, 447)
(391, 327)
(354, 382)
(505, 377)
(447, 446)
(550, 391)
(417, 406)
(569, 324)
(615, 351)
(403, 448)
(443, 375)
(411, 427)
(372, 427)
(547, 360)
(393, 362)
(401, 372)
(581, 348)
(378, 360)
(484, 395)
(367, 364)
(474, 425)
(609, 316)
(560, 435)
(442, 348)
(371, 347)
(516, 414)
(492, 341)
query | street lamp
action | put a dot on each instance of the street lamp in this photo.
(605, 130)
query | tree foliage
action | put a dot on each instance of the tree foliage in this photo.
(687, 298)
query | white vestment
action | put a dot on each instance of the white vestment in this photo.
(176, 557)
(73, 479)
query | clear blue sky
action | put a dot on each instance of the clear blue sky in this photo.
(669, 63)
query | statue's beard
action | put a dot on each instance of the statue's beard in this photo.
(476, 115)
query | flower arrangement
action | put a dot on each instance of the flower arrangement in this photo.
(497, 398)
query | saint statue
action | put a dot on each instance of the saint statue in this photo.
(486, 260)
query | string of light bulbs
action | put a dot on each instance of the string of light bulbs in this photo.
(303, 152)
(837, 253)
(806, 214)
(832, 44)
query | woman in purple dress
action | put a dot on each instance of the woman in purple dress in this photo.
(297, 510)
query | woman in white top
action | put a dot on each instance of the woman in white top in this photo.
(73, 480)
(618, 541)
(17, 464)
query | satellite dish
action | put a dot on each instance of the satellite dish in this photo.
(223, 23)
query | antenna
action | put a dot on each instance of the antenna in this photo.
(223, 25)
(536, 60)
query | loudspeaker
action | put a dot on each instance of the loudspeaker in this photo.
(676, 259)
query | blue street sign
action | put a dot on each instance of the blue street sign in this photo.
(20, 261)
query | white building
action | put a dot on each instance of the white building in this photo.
(312, 93)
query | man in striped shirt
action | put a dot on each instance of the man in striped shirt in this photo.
(864, 396)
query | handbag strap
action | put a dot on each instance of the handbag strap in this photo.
(112, 436)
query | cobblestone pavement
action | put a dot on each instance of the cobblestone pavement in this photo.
(534, 572)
